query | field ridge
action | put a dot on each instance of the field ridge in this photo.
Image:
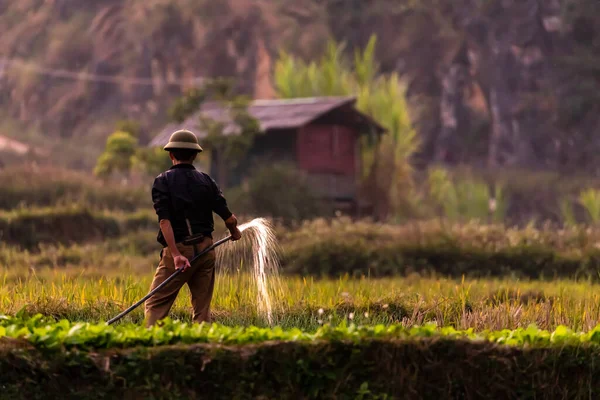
(44, 333)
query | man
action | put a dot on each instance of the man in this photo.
(184, 200)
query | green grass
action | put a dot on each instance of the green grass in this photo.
(95, 281)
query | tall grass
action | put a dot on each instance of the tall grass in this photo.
(94, 282)
(588, 202)
(567, 213)
(331, 248)
(27, 186)
(590, 199)
(467, 199)
(95, 295)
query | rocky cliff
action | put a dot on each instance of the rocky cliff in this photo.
(495, 82)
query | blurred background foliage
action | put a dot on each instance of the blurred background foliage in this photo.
(507, 136)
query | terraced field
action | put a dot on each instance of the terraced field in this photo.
(46, 359)
(361, 311)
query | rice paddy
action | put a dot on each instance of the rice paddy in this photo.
(305, 302)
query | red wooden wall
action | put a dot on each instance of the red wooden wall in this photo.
(327, 149)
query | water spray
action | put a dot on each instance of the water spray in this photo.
(265, 262)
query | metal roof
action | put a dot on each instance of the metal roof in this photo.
(270, 114)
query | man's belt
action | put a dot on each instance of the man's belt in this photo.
(194, 239)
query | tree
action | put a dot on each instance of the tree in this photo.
(130, 126)
(191, 101)
(122, 153)
(153, 160)
(229, 148)
(118, 155)
(279, 191)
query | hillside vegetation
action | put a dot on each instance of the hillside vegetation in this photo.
(506, 84)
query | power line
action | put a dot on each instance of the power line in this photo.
(85, 76)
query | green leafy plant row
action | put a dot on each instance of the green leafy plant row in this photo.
(71, 361)
(45, 334)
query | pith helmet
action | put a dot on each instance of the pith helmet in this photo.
(183, 139)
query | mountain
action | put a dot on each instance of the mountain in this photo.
(495, 82)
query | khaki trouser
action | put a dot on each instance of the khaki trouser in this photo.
(200, 279)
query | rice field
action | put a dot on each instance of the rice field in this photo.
(307, 303)
(505, 336)
(522, 315)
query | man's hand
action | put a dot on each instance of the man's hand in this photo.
(231, 224)
(181, 262)
(236, 234)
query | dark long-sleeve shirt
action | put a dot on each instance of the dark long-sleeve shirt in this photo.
(183, 193)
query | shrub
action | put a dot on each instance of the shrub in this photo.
(139, 220)
(280, 192)
(333, 247)
(33, 187)
(590, 199)
(29, 228)
(118, 155)
(340, 247)
(539, 196)
(142, 243)
(467, 198)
